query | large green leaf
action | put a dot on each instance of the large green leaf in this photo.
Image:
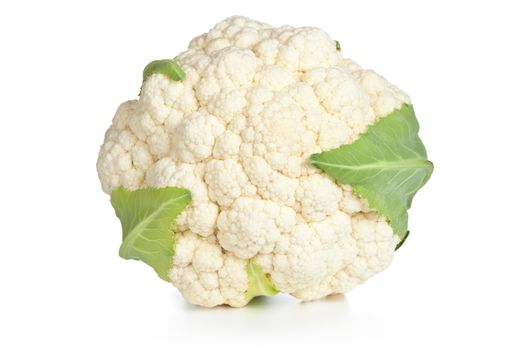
(387, 165)
(147, 216)
(259, 283)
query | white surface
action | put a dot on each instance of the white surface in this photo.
(459, 279)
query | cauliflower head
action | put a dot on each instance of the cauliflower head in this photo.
(234, 122)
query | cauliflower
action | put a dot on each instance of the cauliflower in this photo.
(228, 179)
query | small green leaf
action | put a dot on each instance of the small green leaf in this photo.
(168, 67)
(259, 283)
(337, 46)
(387, 165)
(147, 216)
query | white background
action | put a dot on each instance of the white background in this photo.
(457, 283)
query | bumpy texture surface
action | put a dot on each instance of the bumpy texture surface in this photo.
(237, 132)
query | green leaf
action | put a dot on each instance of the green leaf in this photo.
(168, 67)
(259, 283)
(337, 46)
(402, 241)
(387, 165)
(147, 216)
